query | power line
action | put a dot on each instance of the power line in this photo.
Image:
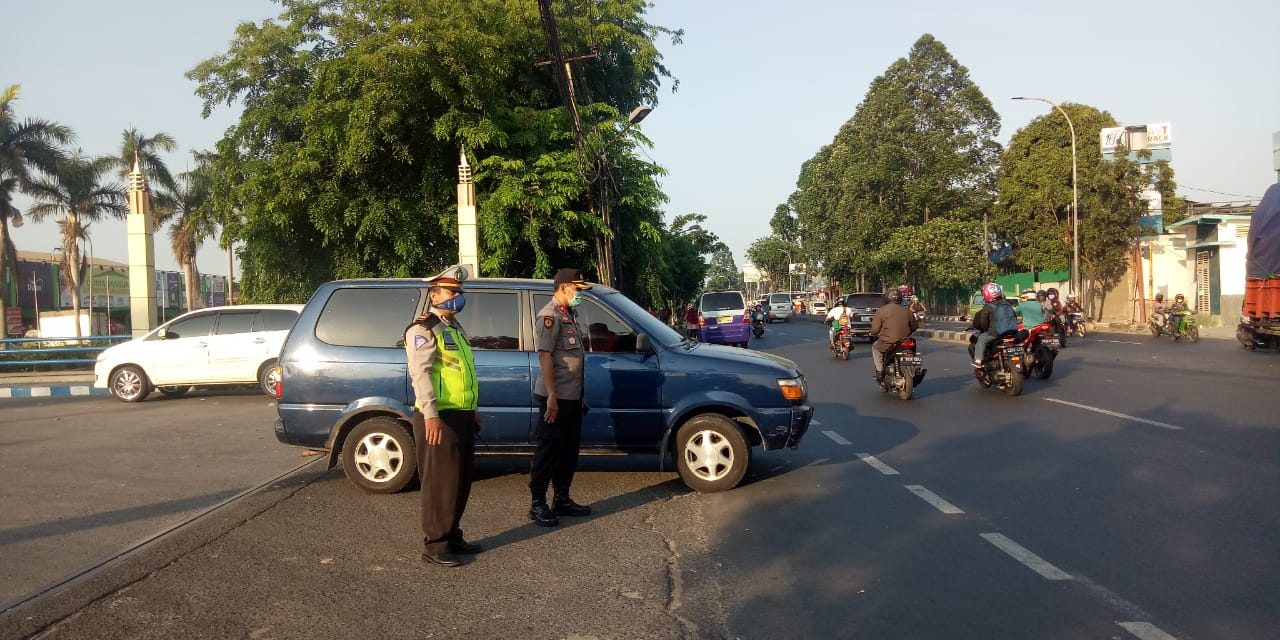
(1221, 193)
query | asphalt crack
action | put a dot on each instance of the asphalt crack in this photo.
(693, 536)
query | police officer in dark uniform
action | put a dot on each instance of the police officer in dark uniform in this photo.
(559, 392)
(445, 422)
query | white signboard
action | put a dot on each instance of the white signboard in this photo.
(1154, 136)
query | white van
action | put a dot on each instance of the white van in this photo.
(780, 306)
(215, 346)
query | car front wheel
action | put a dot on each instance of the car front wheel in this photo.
(711, 453)
(129, 384)
(378, 455)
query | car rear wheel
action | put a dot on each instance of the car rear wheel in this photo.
(268, 378)
(378, 455)
(711, 453)
(129, 384)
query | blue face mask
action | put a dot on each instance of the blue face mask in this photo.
(575, 300)
(454, 305)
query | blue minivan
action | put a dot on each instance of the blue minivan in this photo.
(343, 383)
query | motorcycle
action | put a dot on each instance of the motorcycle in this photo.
(758, 319)
(1075, 324)
(1041, 349)
(843, 343)
(1002, 364)
(903, 369)
(1178, 326)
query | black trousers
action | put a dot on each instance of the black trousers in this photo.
(556, 457)
(445, 471)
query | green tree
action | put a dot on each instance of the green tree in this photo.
(76, 190)
(26, 144)
(1034, 207)
(941, 253)
(354, 115)
(1110, 208)
(772, 256)
(920, 145)
(722, 273)
(189, 213)
(136, 146)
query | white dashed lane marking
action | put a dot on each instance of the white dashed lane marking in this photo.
(1021, 554)
(934, 499)
(837, 438)
(1118, 341)
(1145, 631)
(877, 465)
(1154, 423)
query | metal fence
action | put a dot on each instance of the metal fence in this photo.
(53, 354)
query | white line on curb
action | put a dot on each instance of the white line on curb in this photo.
(1154, 423)
(877, 465)
(1021, 554)
(5, 393)
(41, 392)
(934, 499)
(80, 391)
(1145, 631)
(837, 438)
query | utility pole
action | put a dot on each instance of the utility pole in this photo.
(568, 95)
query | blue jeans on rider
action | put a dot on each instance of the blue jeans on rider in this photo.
(980, 349)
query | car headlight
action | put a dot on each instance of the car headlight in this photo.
(792, 388)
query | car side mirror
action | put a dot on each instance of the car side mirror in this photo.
(643, 345)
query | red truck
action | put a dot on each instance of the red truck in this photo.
(1260, 317)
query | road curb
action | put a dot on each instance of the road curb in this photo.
(961, 337)
(53, 391)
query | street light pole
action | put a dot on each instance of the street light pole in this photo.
(1075, 198)
(607, 253)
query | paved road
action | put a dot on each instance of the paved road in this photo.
(81, 478)
(960, 514)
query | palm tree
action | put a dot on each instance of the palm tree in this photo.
(76, 190)
(189, 214)
(145, 150)
(24, 145)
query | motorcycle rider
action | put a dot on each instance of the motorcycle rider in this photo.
(891, 323)
(1174, 316)
(994, 317)
(1031, 310)
(1072, 307)
(917, 308)
(839, 310)
(1160, 312)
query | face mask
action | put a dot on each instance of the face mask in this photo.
(454, 304)
(575, 300)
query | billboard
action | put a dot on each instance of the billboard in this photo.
(1156, 138)
(173, 290)
(35, 285)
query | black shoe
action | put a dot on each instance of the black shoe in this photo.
(445, 559)
(542, 516)
(879, 376)
(567, 507)
(464, 547)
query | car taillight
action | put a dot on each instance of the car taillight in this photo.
(279, 382)
(746, 317)
(702, 320)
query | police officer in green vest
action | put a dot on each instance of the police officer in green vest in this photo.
(445, 422)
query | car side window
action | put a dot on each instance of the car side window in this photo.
(231, 323)
(492, 320)
(605, 333)
(193, 327)
(277, 319)
(368, 317)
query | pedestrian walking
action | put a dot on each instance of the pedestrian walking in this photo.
(442, 371)
(560, 398)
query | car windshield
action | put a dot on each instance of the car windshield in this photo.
(632, 312)
(865, 300)
(726, 301)
(779, 297)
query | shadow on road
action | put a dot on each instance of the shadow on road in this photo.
(112, 518)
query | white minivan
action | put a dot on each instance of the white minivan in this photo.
(780, 306)
(215, 346)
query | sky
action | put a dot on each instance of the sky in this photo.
(763, 85)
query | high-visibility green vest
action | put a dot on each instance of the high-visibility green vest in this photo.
(453, 373)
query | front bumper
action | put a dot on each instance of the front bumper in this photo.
(790, 427)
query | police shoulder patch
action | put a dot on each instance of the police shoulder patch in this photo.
(548, 322)
(419, 341)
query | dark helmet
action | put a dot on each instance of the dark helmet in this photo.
(839, 302)
(1159, 297)
(1042, 294)
(1179, 298)
(894, 296)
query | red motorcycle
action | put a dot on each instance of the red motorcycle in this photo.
(1041, 348)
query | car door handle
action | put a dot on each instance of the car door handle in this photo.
(259, 340)
(202, 345)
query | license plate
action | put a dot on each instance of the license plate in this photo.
(1013, 351)
(913, 361)
(1050, 342)
(866, 318)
